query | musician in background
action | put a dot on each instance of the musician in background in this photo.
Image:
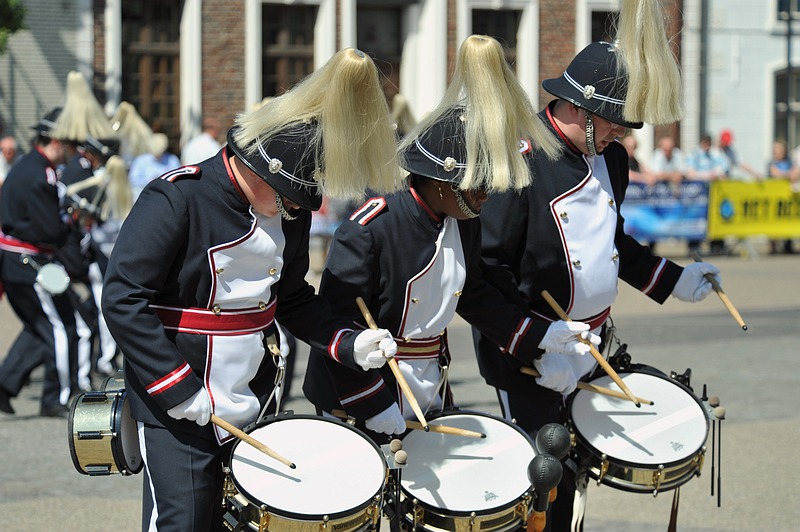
(34, 228)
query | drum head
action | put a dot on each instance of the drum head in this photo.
(465, 475)
(338, 468)
(53, 278)
(667, 432)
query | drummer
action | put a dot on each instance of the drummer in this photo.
(414, 256)
(211, 254)
(565, 233)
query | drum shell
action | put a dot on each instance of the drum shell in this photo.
(247, 510)
(99, 422)
(508, 514)
(631, 476)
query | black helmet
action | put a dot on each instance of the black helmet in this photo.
(593, 82)
(47, 122)
(105, 148)
(283, 161)
(440, 152)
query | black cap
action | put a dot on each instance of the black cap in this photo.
(593, 82)
(440, 152)
(103, 147)
(47, 122)
(284, 161)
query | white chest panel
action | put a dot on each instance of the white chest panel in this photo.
(587, 218)
(245, 270)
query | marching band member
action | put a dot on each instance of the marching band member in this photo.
(34, 228)
(212, 254)
(414, 256)
(565, 234)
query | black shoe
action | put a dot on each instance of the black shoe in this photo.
(5, 402)
(54, 411)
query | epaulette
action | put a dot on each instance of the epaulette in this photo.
(369, 210)
(85, 163)
(182, 172)
(525, 146)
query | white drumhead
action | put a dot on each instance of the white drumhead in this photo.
(338, 469)
(129, 434)
(673, 428)
(467, 474)
(53, 278)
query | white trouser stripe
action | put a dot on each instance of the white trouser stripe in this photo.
(143, 451)
(60, 340)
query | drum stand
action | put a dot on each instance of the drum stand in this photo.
(396, 460)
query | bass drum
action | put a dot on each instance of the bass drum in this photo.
(103, 437)
(338, 483)
(462, 483)
(654, 448)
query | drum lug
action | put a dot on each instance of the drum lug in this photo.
(324, 524)
(521, 511)
(701, 458)
(263, 519)
(603, 468)
(373, 513)
(418, 514)
(472, 517)
(657, 479)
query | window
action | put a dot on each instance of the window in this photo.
(379, 35)
(503, 25)
(787, 116)
(603, 23)
(287, 46)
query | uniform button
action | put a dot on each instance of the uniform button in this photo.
(273, 271)
(216, 309)
(563, 215)
(611, 201)
(262, 305)
(457, 293)
(406, 339)
(615, 256)
(415, 300)
(576, 263)
(219, 270)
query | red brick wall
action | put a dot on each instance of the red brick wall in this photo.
(556, 40)
(223, 60)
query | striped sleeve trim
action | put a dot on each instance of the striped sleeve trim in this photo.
(333, 347)
(364, 394)
(655, 277)
(522, 329)
(170, 380)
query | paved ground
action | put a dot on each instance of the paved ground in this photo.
(754, 373)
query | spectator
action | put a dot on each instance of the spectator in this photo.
(637, 172)
(707, 163)
(204, 145)
(8, 145)
(781, 167)
(736, 167)
(669, 162)
(149, 166)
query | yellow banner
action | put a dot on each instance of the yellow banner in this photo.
(742, 209)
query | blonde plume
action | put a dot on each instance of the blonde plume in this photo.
(82, 115)
(355, 143)
(654, 78)
(497, 114)
(118, 198)
(135, 135)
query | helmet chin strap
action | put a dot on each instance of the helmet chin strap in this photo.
(463, 205)
(282, 210)
(590, 134)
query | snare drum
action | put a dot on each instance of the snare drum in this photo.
(461, 483)
(338, 483)
(654, 448)
(103, 435)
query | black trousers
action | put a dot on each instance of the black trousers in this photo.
(183, 480)
(48, 338)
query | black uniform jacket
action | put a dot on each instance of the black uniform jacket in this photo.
(31, 217)
(531, 238)
(193, 249)
(379, 254)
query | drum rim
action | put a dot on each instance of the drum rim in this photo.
(467, 513)
(653, 372)
(287, 416)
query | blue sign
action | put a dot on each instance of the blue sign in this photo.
(665, 210)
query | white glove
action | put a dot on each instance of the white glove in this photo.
(197, 408)
(564, 337)
(390, 421)
(556, 373)
(372, 348)
(692, 286)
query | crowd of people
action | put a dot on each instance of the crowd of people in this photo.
(475, 210)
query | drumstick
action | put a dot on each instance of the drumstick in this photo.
(446, 429)
(592, 349)
(527, 370)
(722, 295)
(398, 375)
(221, 423)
